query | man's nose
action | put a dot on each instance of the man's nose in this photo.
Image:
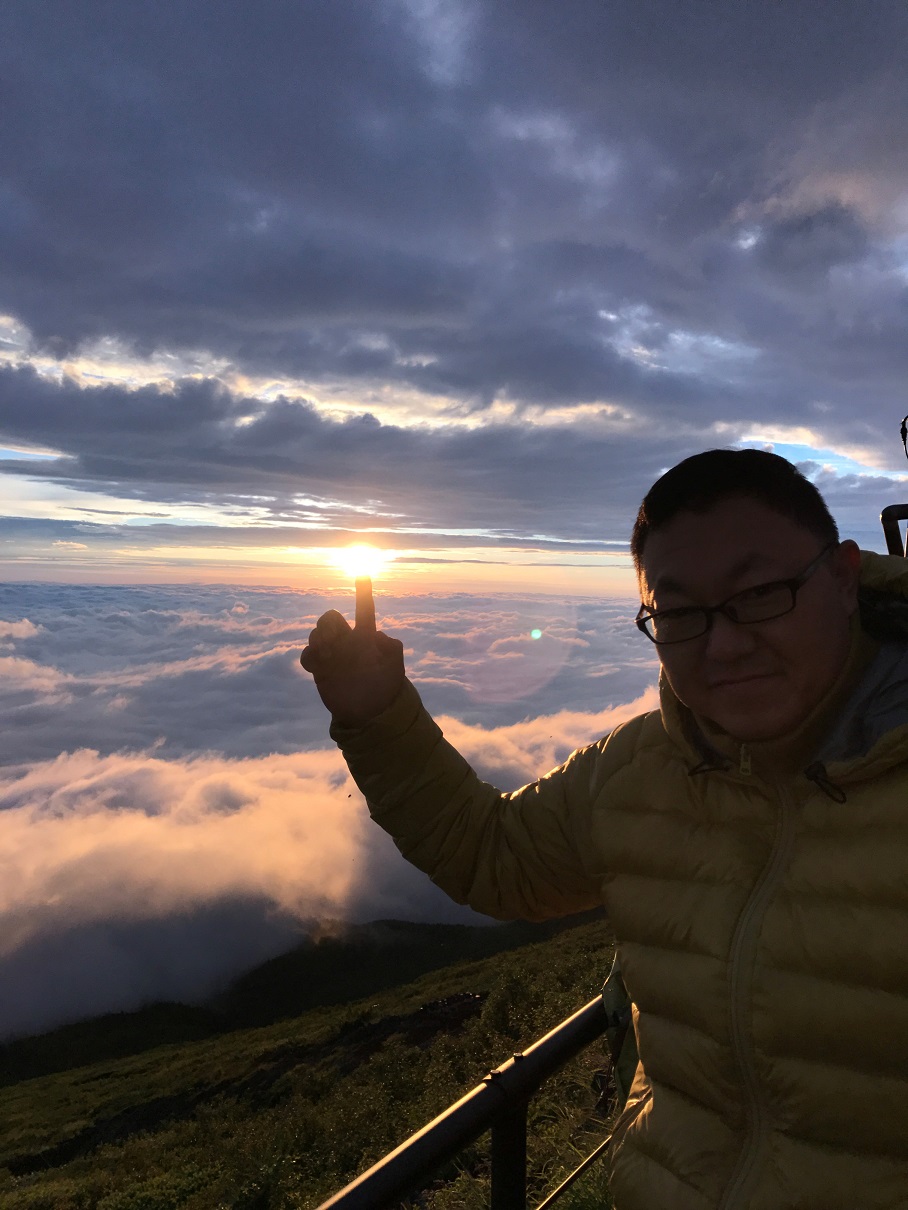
(728, 640)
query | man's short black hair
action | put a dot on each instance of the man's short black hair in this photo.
(699, 483)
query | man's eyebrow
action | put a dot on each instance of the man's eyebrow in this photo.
(666, 584)
(744, 565)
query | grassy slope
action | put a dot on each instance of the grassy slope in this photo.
(350, 964)
(281, 1115)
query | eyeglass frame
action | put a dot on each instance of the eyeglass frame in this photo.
(709, 611)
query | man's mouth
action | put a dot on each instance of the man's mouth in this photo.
(734, 682)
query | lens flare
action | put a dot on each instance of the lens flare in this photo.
(361, 560)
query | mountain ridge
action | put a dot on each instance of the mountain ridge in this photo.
(342, 963)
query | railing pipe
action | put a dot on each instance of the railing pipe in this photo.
(578, 1172)
(890, 517)
(504, 1091)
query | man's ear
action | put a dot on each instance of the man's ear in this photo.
(845, 566)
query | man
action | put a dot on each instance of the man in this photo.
(749, 841)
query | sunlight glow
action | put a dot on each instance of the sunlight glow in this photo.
(361, 560)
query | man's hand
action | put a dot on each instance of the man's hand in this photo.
(358, 672)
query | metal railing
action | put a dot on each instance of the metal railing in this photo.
(890, 518)
(498, 1104)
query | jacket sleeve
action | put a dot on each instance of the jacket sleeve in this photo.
(522, 855)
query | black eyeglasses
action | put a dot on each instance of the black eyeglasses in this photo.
(761, 603)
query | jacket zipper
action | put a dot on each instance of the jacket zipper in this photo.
(741, 971)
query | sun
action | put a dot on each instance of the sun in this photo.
(361, 560)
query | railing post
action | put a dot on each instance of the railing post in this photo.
(890, 517)
(509, 1160)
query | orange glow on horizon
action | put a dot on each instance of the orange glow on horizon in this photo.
(332, 570)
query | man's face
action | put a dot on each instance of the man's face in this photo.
(756, 681)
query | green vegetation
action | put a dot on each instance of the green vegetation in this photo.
(284, 1114)
(346, 962)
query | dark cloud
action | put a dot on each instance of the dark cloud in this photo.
(188, 446)
(449, 195)
(296, 477)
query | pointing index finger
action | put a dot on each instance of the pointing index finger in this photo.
(365, 606)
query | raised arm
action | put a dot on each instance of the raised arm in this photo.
(524, 854)
(529, 854)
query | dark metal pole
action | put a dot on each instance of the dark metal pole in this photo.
(890, 517)
(578, 1171)
(509, 1160)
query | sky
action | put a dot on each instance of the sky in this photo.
(456, 279)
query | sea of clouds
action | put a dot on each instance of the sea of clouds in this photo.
(171, 808)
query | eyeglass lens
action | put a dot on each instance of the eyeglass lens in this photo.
(760, 605)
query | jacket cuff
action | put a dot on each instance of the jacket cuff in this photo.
(385, 728)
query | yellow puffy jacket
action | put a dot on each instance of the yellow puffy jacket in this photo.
(761, 912)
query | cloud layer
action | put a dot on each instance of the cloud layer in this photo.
(210, 822)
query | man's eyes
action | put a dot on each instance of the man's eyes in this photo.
(671, 615)
(759, 591)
